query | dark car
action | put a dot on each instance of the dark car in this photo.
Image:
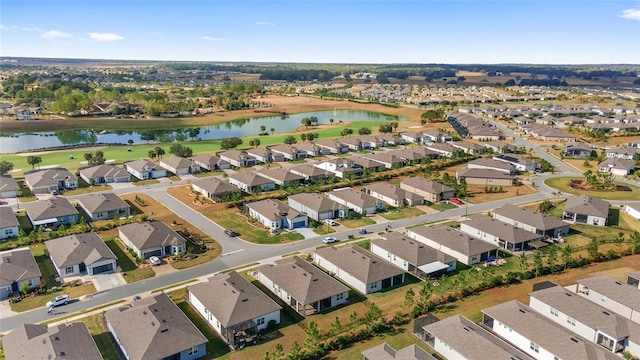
(230, 232)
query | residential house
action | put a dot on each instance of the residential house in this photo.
(8, 187)
(231, 305)
(444, 149)
(389, 160)
(468, 147)
(210, 162)
(579, 150)
(340, 167)
(496, 232)
(531, 221)
(318, 207)
(435, 136)
(490, 164)
(276, 215)
(52, 212)
(311, 150)
(392, 195)
(586, 210)
(633, 210)
(429, 190)
(155, 328)
(152, 238)
(215, 189)
(385, 351)
(501, 147)
(359, 268)
(311, 173)
(250, 182)
(281, 176)
(485, 177)
(288, 152)
(412, 156)
(633, 279)
(371, 142)
(104, 174)
(520, 162)
(71, 340)
(367, 164)
(46, 181)
(466, 249)
(17, 267)
(412, 256)
(78, 254)
(9, 225)
(144, 169)
(332, 146)
(622, 152)
(387, 139)
(103, 206)
(353, 144)
(412, 136)
(537, 335)
(617, 167)
(587, 319)
(457, 337)
(237, 158)
(179, 165)
(617, 296)
(265, 155)
(304, 287)
(356, 200)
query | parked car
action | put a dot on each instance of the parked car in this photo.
(230, 232)
(58, 300)
(456, 201)
(155, 260)
(329, 240)
(330, 222)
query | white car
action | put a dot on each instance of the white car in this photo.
(58, 300)
(329, 240)
(155, 260)
(330, 222)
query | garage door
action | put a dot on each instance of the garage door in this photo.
(153, 253)
(102, 268)
(300, 223)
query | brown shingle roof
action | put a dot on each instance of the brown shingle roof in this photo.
(587, 205)
(102, 202)
(454, 239)
(84, 248)
(7, 218)
(17, 265)
(359, 263)
(145, 235)
(104, 170)
(415, 252)
(65, 341)
(232, 299)
(8, 184)
(50, 208)
(273, 209)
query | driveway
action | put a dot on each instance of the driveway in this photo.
(306, 232)
(104, 282)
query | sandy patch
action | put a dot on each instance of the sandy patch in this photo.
(85, 162)
(88, 149)
(16, 170)
(48, 166)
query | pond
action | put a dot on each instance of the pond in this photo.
(12, 143)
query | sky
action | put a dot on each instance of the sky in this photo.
(327, 31)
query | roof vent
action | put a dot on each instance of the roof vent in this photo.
(62, 353)
(522, 311)
(164, 330)
(153, 324)
(466, 329)
(245, 300)
(618, 282)
(606, 313)
(574, 340)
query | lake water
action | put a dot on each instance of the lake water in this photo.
(11, 143)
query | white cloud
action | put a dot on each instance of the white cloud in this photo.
(31, 29)
(264, 23)
(55, 34)
(209, 38)
(2, 27)
(631, 14)
(105, 37)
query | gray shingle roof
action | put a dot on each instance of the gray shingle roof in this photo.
(104, 170)
(8, 184)
(49, 177)
(7, 218)
(384, 351)
(614, 289)
(587, 205)
(483, 174)
(215, 186)
(415, 252)
(359, 263)
(153, 328)
(552, 337)
(177, 162)
(65, 341)
(486, 162)
(146, 235)
(279, 175)
(249, 178)
(357, 198)
(425, 185)
(50, 208)
(232, 299)
(504, 231)
(102, 202)
(473, 341)
(532, 218)
(84, 248)
(454, 239)
(317, 202)
(273, 209)
(305, 282)
(17, 265)
(142, 165)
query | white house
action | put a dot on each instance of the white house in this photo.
(144, 169)
(465, 248)
(356, 200)
(152, 238)
(230, 304)
(179, 165)
(9, 225)
(617, 296)
(276, 215)
(17, 266)
(78, 254)
(8, 187)
(633, 210)
(587, 210)
(317, 207)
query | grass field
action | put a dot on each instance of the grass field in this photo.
(101, 337)
(131, 272)
(356, 223)
(562, 184)
(230, 219)
(401, 213)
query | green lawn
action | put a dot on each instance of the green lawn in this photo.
(443, 206)
(84, 188)
(356, 223)
(238, 223)
(101, 337)
(215, 346)
(401, 213)
(562, 184)
(130, 271)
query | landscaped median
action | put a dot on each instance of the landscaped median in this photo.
(563, 184)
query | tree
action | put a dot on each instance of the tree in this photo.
(346, 132)
(294, 352)
(178, 149)
(619, 240)
(523, 263)
(552, 257)
(278, 353)
(290, 140)
(254, 142)
(537, 262)
(372, 315)
(364, 131)
(331, 121)
(5, 167)
(634, 242)
(394, 125)
(312, 337)
(335, 327)
(303, 137)
(353, 318)
(130, 141)
(33, 161)
(230, 143)
(25, 287)
(159, 152)
(385, 128)
(567, 256)
(306, 122)
(152, 154)
(263, 129)
(273, 130)
(592, 250)
(409, 299)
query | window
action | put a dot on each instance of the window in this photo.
(8, 231)
(340, 296)
(535, 347)
(554, 312)
(260, 321)
(193, 351)
(69, 269)
(571, 321)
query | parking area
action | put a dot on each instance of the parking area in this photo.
(104, 282)
(306, 232)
